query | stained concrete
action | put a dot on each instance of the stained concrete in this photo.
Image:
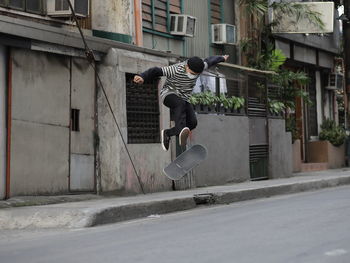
(39, 159)
(227, 141)
(280, 150)
(116, 170)
(113, 16)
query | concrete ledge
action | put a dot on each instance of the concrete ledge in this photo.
(110, 210)
(134, 211)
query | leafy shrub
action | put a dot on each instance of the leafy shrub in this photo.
(275, 106)
(332, 133)
(209, 99)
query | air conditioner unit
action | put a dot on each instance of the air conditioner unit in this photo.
(182, 25)
(223, 34)
(335, 81)
(60, 8)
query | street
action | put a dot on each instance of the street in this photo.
(307, 227)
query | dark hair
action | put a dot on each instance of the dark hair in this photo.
(195, 64)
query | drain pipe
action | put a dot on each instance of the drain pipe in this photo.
(138, 23)
(9, 124)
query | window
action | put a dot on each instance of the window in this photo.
(216, 11)
(30, 6)
(75, 125)
(156, 14)
(142, 110)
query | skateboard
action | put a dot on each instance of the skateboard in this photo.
(185, 162)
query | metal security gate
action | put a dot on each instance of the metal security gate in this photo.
(258, 128)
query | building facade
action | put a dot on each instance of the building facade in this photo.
(70, 125)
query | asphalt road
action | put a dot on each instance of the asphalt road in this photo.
(310, 227)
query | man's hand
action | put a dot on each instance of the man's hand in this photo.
(138, 79)
(226, 57)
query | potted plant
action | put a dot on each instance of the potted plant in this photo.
(231, 105)
(204, 102)
(330, 148)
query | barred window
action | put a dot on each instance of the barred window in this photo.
(31, 6)
(142, 109)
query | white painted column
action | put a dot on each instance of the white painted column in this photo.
(114, 16)
(3, 132)
(319, 101)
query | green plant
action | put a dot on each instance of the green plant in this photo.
(292, 127)
(333, 133)
(208, 99)
(204, 98)
(194, 100)
(275, 106)
(232, 102)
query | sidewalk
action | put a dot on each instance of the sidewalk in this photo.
(91, 210)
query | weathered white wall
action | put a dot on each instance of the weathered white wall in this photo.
(227, 141)
(82, 168)
(40, 123)
(116, 171)
(280, 150)
(114, 16)
(3, 132)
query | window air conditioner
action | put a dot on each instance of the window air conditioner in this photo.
(182, 25)
(60, 8)
(223, 34)
(335, 81)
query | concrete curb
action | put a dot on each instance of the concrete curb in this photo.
(134, 211)
(99, 212)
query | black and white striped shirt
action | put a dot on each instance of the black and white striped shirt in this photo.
(177, 81)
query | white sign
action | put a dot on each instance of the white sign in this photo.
(289, 23)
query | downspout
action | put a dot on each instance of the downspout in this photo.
(9, 124)
(138, 23)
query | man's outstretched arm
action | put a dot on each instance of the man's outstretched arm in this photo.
(148, 75)
(213, 60)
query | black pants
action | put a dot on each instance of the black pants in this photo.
(182, 113)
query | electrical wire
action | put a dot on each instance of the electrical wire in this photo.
(91, 59)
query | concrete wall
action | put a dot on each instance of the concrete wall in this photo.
(82, 168)
(325, 152)
(116, 173)
(3, 131)
(227, 141)
(40, 123)
(164, 44)
(280, 150)
(114, 16)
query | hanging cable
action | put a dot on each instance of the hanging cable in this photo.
(91, 59)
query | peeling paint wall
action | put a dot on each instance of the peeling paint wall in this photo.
(280, 150)
(46, 156)
(116, 173)
(114, 16)
(227, 141)
(40, 123)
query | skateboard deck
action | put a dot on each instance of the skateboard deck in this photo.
(185, 162)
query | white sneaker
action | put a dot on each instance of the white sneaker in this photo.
(185, 132)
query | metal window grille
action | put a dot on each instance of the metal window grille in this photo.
(257, 96)
(3, 3)
(34, 6)
(17, 4)
(142, 109)
(258, 155)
